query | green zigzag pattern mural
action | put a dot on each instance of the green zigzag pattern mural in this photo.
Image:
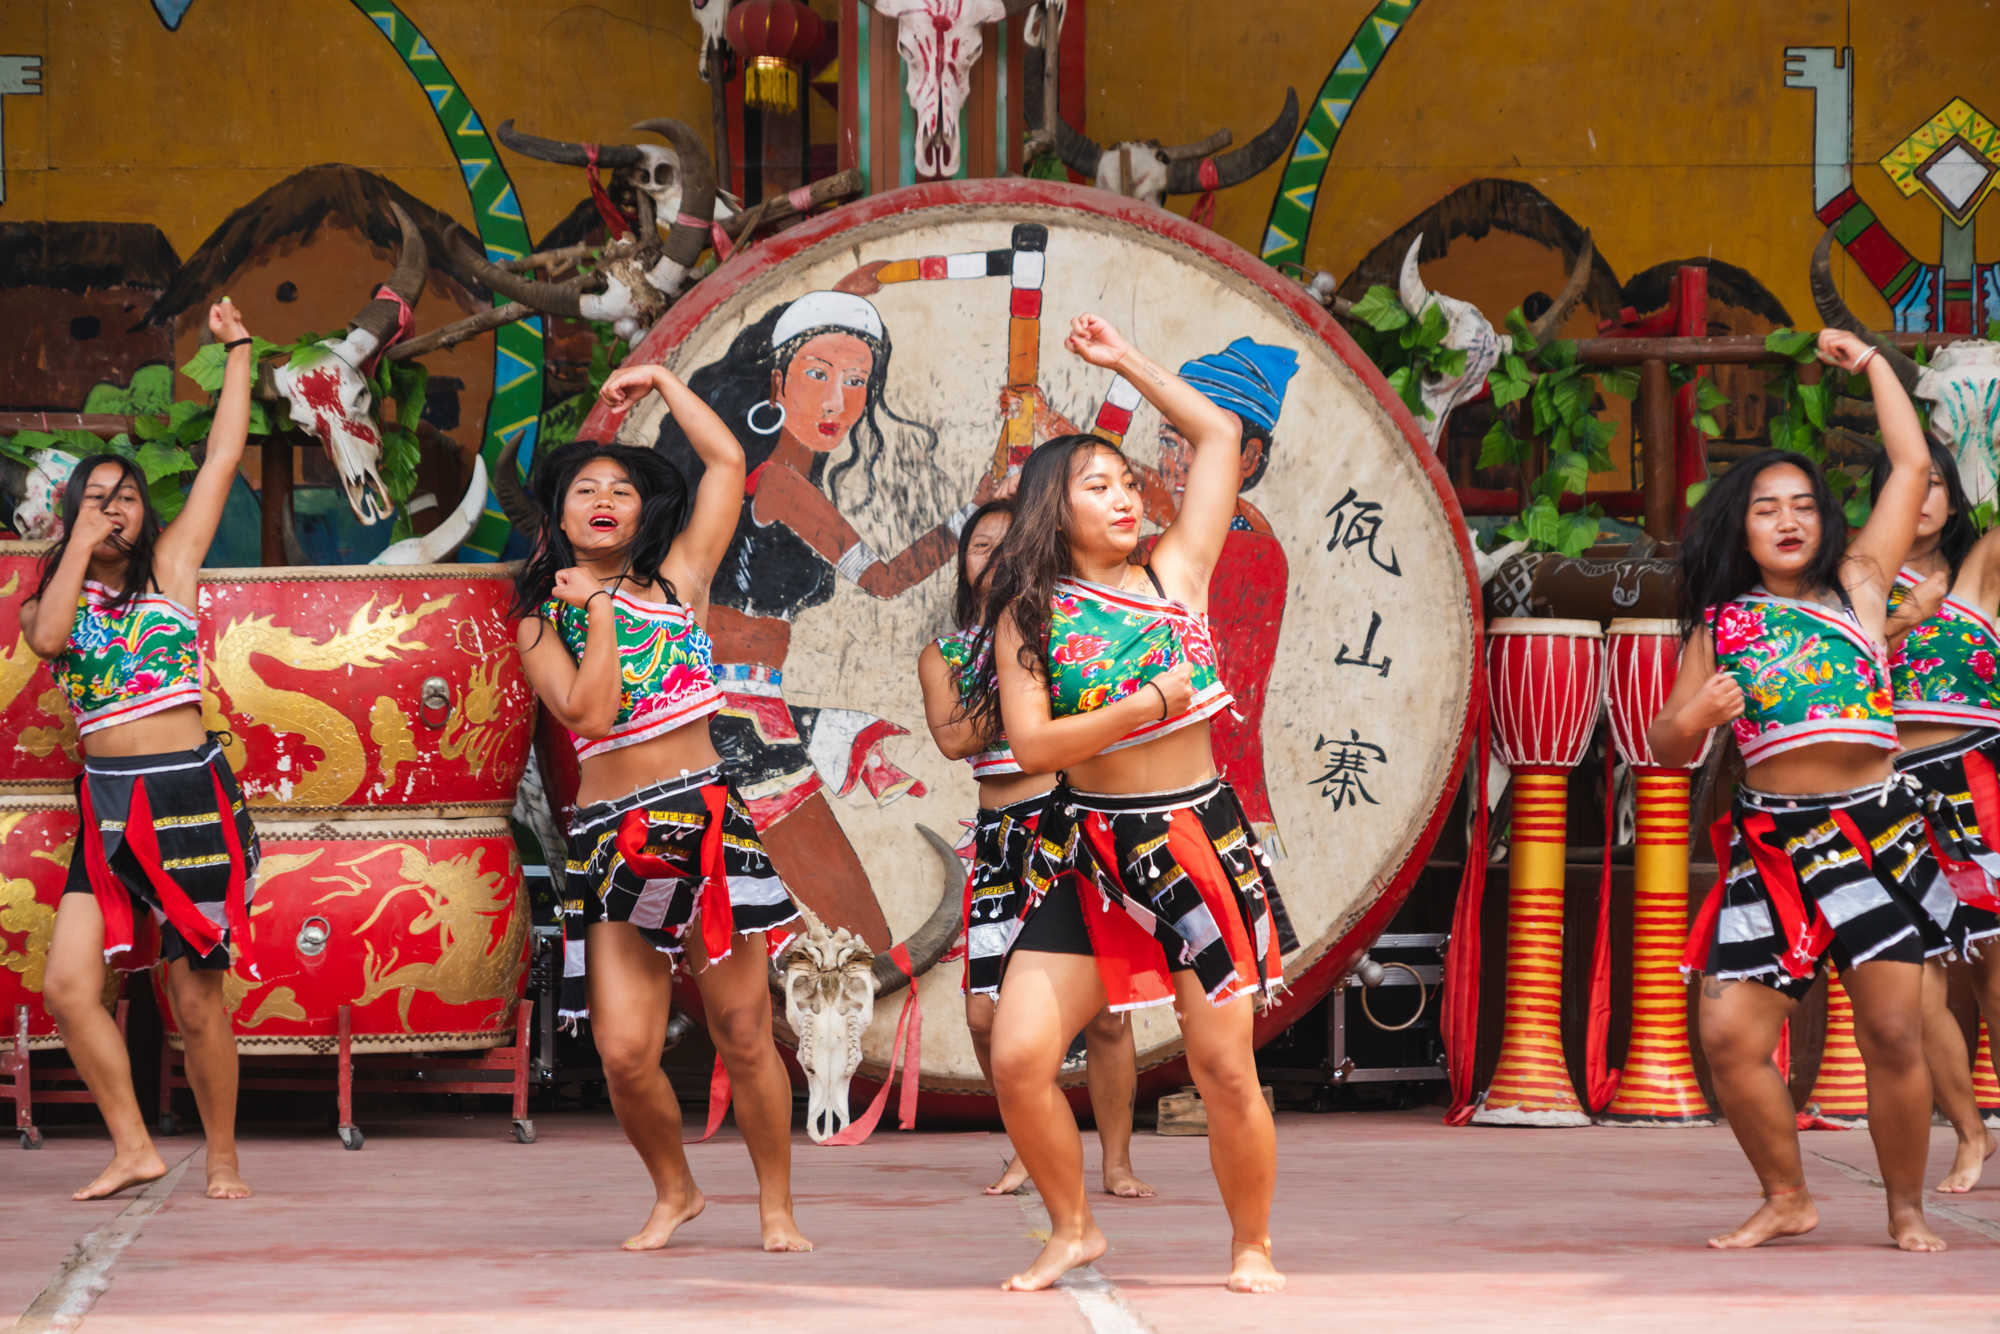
(517, 362)
(1292, 211)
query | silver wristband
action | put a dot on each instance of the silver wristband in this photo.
(956, 523)
(855, 562)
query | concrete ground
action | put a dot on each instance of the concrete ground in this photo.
(1383, 1220)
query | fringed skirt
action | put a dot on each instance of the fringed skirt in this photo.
(1179, 880)
(1843, 874)
(1961, 799)
(167, 837)
(658, 857)
(993, 894)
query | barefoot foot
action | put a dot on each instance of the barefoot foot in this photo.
(1250, 1267)
(226, 1183)
(781, 1233)
(1791, 1214)
(1119, 1181)
(125, 1171)
(667, 1215)
(1061, 1255)
(1968, 1164)
(1011, 1178)
(1912, 1233)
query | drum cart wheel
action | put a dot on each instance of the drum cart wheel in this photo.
(524, 1131)
(350, 1138)
(169, 1124)
(31, 1138)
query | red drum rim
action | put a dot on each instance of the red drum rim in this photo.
(29, 800)
(1644, 625)
(317, 574)
(1541, 625)
(373, 823)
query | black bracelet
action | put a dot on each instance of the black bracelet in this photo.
(1163, 698)
(236, 343)
(600, 593)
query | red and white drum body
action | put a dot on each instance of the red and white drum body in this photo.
(1644, 656)
(419, 926)
(39, 747)
(1545, 682)
(37, 838)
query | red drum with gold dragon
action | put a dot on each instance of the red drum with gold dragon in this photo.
(37, 836)
(39, 746)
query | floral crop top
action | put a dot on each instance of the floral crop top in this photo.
(1945, 670)
(1809, 674)
(957, 650)
(1106, 643)
(121, 665)
(665, 658)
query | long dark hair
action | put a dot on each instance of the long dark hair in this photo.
(1715, 558)
(663, 512)
(1956, 538)
(1031, 558)
(741, 379)
(138, 554)
(965, 602)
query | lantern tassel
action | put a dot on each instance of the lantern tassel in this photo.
(771, 84)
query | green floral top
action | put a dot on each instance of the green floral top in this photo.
(121, 665)
(1106, 643)
(1809, 674)
(957, 652)
(666, 661)
(1944, 670)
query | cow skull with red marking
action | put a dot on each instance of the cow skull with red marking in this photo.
(939, 40)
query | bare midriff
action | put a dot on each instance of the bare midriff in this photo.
(162, 733)
(1177, 760)
(615, 773)
(1010, 788)
(1915, 736)
(1829, 766)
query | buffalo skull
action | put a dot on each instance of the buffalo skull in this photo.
(830, 981)
(939, 40)
(1961, 385)
(709, 16)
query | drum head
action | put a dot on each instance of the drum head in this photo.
(1644, 625)
(1544, 625)
(1343, 605)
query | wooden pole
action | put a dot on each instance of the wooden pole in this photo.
(276, 496)
(1726, 350)
(1656, 430)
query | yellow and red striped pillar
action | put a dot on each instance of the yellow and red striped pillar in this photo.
(1531, 1084)
(1658, 1087)
(1985, 1084)
(1840, 1094)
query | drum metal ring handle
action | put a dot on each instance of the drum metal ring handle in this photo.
(434, 704)
(314, 933)
(1422, 998)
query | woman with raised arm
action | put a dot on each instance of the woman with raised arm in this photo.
(612, 604)
(163, 830)
(1010, 802)
(1944, 663)
(1826, 855)
(1105, 676)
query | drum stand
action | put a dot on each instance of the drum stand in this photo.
(1985, 1086)
(510, 1062)
(17, 1080)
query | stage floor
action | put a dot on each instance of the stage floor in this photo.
(1384, 1221)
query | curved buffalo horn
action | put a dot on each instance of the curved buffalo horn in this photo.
(570, 155)
(688, 239)
(1410, 289)
(1080, 154)
(930, 941)
(1556, 316)
(513, 497)
(1834, 314)
(1184, 177)
(381, 315)
(446, 538)
(550, 298)
(1195, 152)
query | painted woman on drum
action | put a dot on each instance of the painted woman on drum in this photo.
(664, 863)
(1106, 677)
(1827, 857)
(806, 384)
(1010, 803)
(163, 831)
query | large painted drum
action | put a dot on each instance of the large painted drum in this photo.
(367, 686)
(915, 339)
(37, 836)
(39, 746)
(420, 926)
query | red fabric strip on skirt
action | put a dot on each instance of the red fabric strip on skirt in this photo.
(201, 934)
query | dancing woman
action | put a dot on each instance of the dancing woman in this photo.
(1944, 662)
(1106, 677)
(1009, 803)
(1826, 855)
(613, 601)
(163, 829)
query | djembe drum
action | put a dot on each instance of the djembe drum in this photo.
(1545, 681)
(1658, 1086)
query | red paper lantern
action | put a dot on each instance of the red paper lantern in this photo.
(775, 38)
